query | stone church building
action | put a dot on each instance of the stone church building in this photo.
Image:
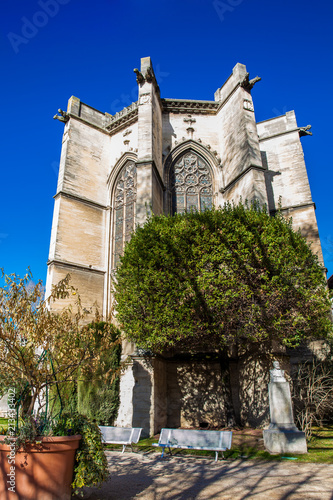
(169, 155)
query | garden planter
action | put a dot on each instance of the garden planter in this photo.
(43, 472)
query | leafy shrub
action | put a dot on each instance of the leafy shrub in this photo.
(91, 464)
(207, 280)
(98, 390)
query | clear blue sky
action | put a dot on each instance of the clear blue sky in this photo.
(52, 49)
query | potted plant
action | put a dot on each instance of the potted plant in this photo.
(43, 347)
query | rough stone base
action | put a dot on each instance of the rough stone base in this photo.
(285, 441)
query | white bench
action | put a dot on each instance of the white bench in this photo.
(195, 440)
(120, 435)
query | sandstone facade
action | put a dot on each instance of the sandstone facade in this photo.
(166, 155)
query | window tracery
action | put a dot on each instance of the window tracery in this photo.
(191, 184)
(123, 210)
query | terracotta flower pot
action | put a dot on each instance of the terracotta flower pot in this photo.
(43, 472)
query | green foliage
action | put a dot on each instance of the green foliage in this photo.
(199, 280)
(91, 464)
(39, 347)
(42, 352)
(26, 435)
(98, 393)
(68, 403)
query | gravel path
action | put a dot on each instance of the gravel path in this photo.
(148, 477)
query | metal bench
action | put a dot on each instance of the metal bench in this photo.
(217, 441)
(120, 435)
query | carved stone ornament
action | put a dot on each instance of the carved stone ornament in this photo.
(304, 131)
(248, 105)
(190, 131)
(139, 76)
(64, 117)
(249, 84)
(123, 118)
(145, 99)
(189, 120)
(149, 76)
(277, 375)
(185, 106)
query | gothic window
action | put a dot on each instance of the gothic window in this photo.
(123, 209)
(191, 184)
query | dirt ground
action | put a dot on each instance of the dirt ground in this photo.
(147, 476)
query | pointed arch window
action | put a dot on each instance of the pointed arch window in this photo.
(191, 184)
(123, 209)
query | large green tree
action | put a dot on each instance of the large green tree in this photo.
(199, 281)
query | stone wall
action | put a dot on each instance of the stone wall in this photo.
(195, 395)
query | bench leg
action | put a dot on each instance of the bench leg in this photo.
(124, 446)
(217, 456)
(163, 448)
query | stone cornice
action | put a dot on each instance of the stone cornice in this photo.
(123, 118)
(189, 106)
(73, 265)
(80, 199)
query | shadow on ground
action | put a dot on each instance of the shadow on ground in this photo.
(148, 477)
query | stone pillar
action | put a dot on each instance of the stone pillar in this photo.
(282, 435)
(143, 386)
(243, 172)
(149, 164)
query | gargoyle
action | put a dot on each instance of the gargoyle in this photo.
(139, 76)
(64, 117)
(149, 75)
(304, 131)
(249, 84)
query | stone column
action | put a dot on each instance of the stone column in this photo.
(244, 174)
(282, 435)
(149, 164)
